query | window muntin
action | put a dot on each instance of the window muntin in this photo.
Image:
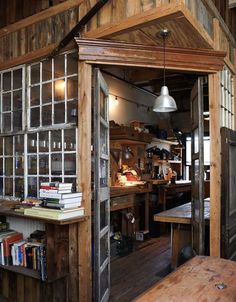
(47, 149)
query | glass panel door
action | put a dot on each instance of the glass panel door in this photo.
(101, 280)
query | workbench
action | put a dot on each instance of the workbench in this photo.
(127, 198)
(180, 219)
(198, 280)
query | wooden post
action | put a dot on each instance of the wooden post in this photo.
(84, 180)
(215, 169)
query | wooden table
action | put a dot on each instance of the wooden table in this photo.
(170, 191)
(180, 219)
(196, 281)
(124, 198)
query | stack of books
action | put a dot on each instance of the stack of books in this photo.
(14, 250)
(58, 202)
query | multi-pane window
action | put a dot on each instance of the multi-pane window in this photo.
(12, 100)
(53, 91)
(227, 99)
(46, 149)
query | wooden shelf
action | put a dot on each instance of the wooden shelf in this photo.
(21, 270)
(12, 213)
(124, 141)
(163, 141)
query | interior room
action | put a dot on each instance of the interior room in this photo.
(150, 171)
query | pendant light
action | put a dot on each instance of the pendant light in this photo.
(164, 102)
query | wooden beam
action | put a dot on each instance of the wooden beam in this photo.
(84, 180)
(215, 168)
(45, 14)
(115, 53)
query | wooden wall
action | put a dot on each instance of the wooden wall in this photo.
(15, 10)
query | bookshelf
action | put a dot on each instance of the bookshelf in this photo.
(61, 264)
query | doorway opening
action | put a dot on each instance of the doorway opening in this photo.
(144, 147)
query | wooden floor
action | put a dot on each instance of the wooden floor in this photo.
(134, 273)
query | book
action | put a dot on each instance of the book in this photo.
(62, 206)
(47, 194)
(63, 201)
(7, 242)
(56, 185)
(54, 214)
(51, 190)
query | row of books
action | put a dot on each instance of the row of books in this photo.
(16, 251)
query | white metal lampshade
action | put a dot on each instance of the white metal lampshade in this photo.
(164, 102)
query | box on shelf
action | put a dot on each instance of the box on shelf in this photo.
(142, 235)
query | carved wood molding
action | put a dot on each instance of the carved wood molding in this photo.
(118, 53)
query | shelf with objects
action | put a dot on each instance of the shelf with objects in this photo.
(129, 192)
(36, 251)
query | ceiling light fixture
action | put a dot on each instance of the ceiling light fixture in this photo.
(164, 102)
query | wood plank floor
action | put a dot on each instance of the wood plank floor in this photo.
(134, 273)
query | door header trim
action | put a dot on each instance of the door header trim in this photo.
(109, 52)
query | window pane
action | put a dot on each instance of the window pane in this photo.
(69, 140)
(19, 166)
(70, 164)
(8, 186)
(47, 70)
(43, 164)
(72, 88)
(34, 117)
(32, 186)
(1, 166)
(19, 187)
(17, 78)
(7, 81)
(17, 120)
(59, 90)
(1, 145)
(1, 186)
(47, 93)
(56, 164)
(103, 106)
(6, 122)
(35, 96)
(6, 101)
(35, 74)
(8, 166)
(72, 112)
(32, 143)
(32, 164)
(17, 100)
(59, 113)
(56, 140)
(59, 66)
(47, 115)
(43, 142)
(72, 63)
(9, 145)
(19, 144)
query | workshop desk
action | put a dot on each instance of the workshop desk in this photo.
(125, 198)
(198, 280)
(180, 219)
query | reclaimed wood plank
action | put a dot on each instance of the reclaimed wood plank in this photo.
(215, 168)
(196, 280)
(52, 11)
(84, 179)
(73, 292)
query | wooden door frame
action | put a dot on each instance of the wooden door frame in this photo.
(92, 51)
